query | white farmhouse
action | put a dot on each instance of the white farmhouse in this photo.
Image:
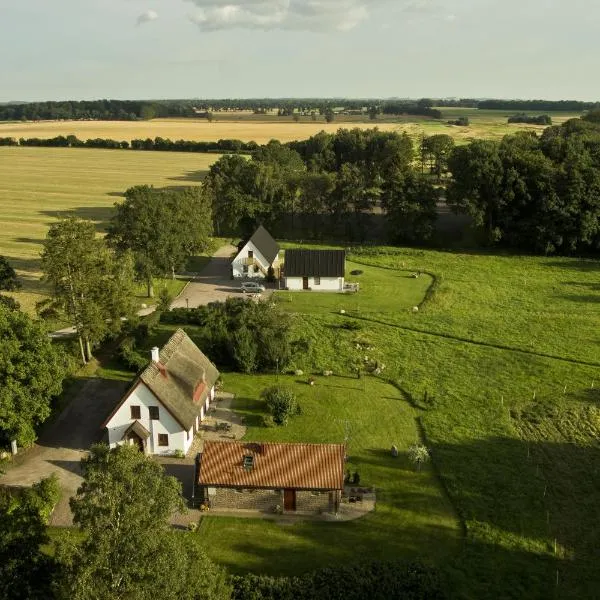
(166, 403)
(316, 270)
(259, 253)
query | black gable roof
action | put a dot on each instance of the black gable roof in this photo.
(265, 244)
(314, 263)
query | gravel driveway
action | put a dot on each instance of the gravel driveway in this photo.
(213, 284)
(64, 443)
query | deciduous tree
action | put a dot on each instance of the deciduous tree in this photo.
(89, 283)
(32, 370)
(123, 506)
(162, 228)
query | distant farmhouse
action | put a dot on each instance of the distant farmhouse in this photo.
(317, 270)
(270, 477)
(256, 256)
(166, 403)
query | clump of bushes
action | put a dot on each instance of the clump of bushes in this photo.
(281, 402)
(240, 334)
(373, 580)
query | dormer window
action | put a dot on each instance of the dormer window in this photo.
(248, 462)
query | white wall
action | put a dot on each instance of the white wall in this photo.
(327, 284)
(238, 263)
(143, 397)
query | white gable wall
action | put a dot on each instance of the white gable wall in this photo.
(237, 264)
(143, 397)
(327, 284)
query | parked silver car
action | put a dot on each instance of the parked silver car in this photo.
(252, 287)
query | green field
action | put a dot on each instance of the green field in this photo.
(37, 185)
(501, 365)
(412, 515)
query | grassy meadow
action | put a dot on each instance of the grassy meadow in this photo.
(245, 126)
(499, 371)
(412, 516)
(38, 185)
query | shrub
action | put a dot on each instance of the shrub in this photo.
(373, 580)
(281, 402)
(178, 453)
(9, 302)
(419, 455)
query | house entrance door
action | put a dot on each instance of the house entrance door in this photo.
(305, 283)
(289, 500)
(137, 441)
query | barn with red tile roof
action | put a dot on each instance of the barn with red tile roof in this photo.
(266, 476)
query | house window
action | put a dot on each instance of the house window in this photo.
(317, 281)
(163, 439)
(245, 269)
(153, 410)
(250, 253)
(136, 413)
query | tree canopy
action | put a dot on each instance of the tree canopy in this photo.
(123, 506)
(162, 228)
(89, 283)
(32, 371)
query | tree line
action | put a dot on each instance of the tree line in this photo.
(531, 193)
(531, 120)
(158, 143)
(133, 110)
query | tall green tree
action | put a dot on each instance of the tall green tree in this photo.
(32, 371)
(89, 282)
(129, 551)
(476, 186)
(26, 572)
(8, 277)
(410, 203)
(437, 149)
(162, 228)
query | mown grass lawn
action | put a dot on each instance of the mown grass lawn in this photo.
(412, 518)
(501, 364)
(381, 291)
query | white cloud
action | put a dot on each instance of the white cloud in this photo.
(146, 17)
(311, 15)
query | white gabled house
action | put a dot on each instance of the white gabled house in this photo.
(316, 270)
(164, 406)
(259, 253)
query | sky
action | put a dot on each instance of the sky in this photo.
(139, 49)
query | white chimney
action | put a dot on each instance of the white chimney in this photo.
(155, 354)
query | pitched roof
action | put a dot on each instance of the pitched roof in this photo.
(181, 380)
(311, 263)
(265, 244)
(138, 429)
(298, 466)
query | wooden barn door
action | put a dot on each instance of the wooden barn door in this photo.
(305, 283)
(289, 500)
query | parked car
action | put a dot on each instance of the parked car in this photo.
(252, 287)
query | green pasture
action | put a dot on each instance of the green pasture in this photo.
(503, 365)
(412, 516)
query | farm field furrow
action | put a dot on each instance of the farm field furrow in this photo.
(37, 185)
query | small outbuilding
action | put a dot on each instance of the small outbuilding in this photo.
(270, 477)
(257, 256)
(166, 402)
(316, 270)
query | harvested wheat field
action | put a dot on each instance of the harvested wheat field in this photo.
(39, 184)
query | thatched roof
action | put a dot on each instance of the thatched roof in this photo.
(182, 378)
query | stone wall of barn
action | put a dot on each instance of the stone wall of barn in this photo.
(245, 499)
(315, 502)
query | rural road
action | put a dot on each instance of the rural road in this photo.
(64, 443)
